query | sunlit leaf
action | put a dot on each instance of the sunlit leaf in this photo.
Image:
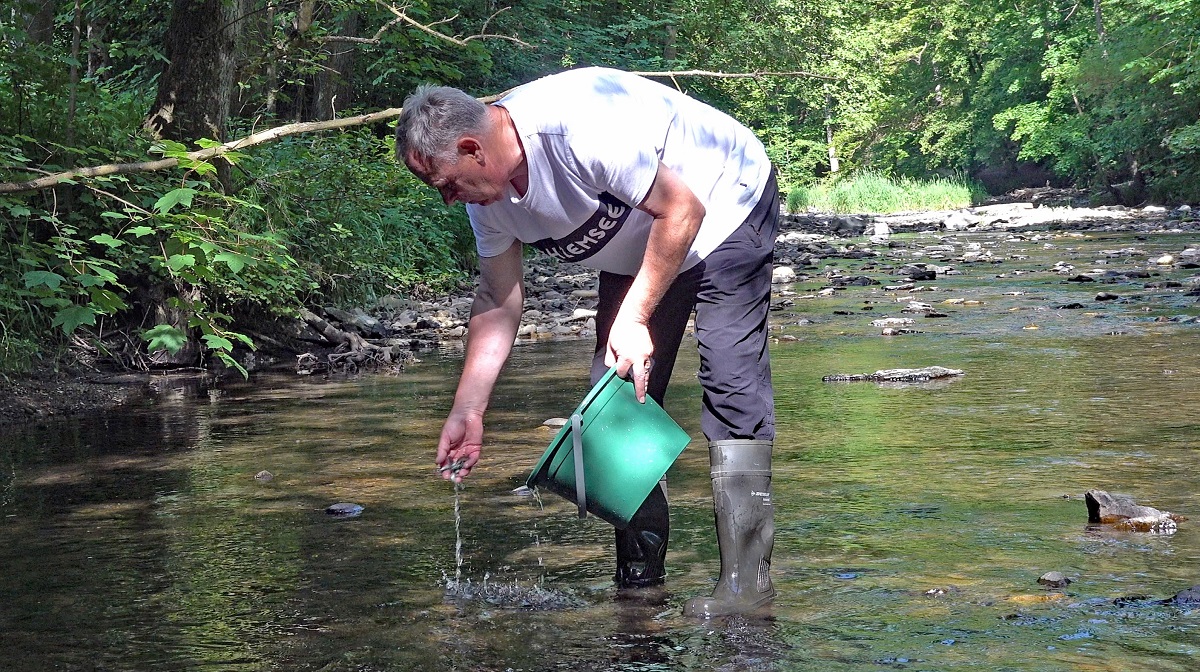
(105, 239)
(164, 337)
(178, 262)
(182, 196)
(236, 261)
(216, 342)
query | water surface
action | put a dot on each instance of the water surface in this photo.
(912, 521)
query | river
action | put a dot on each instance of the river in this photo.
(913, 521)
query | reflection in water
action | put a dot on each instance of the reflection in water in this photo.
(913, 521)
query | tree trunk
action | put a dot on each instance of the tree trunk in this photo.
(193, 103)
(332, 92)
(194, 91)
(833, 157)
(39, 20)
(97, 55)
(304, 19)
(76, 38)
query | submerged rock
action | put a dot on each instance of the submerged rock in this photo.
(897, 375)
(1123, 513)
(1188, 597)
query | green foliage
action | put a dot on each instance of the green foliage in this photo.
(798, 199)
(872, 192)
(908, 90)
(359, 224)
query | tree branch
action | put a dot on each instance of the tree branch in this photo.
(734, 75)
(460, 41)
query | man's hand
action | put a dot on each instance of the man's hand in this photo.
(460, 444)
(677, 217)
(495, 315)
(630, 350)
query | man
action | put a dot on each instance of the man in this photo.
(676, 204)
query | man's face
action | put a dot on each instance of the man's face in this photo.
(466, 180)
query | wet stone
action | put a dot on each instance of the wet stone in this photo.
(344, 510)
(1189, 597)
(1054, 580)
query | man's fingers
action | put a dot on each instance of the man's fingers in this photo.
(641, 377)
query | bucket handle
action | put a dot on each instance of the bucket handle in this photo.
(580, 488)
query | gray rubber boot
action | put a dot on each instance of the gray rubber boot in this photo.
(642, 546)
(741, 480)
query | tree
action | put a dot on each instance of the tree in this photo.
(197, 82)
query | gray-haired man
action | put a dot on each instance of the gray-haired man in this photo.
(676, 204)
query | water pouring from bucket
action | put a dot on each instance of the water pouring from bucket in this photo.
(612, 453)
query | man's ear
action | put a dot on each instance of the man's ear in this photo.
(470, 147)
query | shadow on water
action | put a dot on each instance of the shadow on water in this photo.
(913, 521)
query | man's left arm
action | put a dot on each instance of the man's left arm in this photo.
(677, 214)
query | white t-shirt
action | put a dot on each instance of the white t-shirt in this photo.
(593, 139)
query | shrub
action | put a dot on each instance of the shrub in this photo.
(797, 199)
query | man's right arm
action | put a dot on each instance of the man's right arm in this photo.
(495, 317)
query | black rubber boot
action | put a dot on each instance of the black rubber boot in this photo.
(741, 480)
(642, 546)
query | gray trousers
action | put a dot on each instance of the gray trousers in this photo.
(730, 292)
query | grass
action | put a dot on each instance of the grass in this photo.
(872, 192)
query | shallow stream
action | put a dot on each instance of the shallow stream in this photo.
(912, 521)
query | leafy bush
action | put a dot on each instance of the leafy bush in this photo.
(797, 199)
(358, 223)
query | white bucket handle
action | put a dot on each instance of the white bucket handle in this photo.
(580, 490)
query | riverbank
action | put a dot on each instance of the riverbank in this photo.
(561, 298)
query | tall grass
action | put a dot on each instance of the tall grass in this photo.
(872, 192)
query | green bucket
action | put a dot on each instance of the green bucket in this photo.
(618, 448)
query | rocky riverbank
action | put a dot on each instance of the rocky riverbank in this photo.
(561, 298)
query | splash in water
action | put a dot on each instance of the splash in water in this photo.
(507, 595)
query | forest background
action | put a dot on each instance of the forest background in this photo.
(166, 254)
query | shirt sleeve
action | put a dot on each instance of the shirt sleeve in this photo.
(490, 241)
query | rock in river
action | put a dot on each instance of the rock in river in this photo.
(1054, 580)
(1123, 513)
(898, 375)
